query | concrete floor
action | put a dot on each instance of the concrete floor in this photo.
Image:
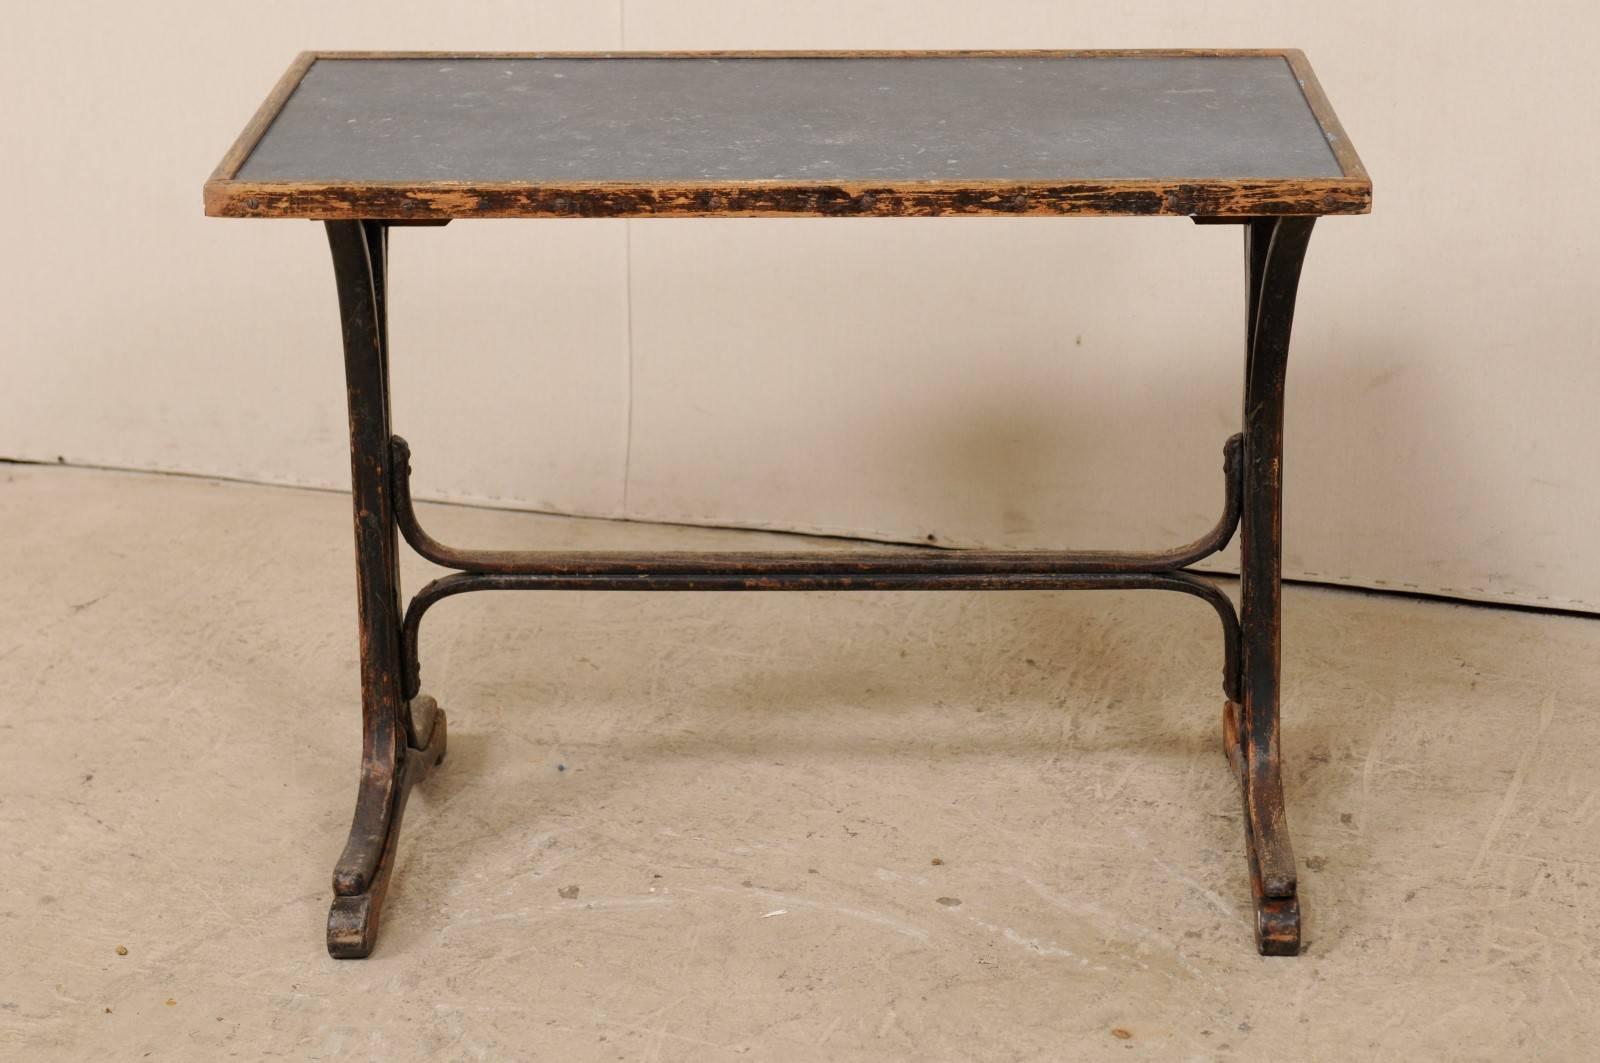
(778, 827)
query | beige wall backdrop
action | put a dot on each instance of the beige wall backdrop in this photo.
(1061, 382)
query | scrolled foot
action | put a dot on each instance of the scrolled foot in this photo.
(353, 918)
(352, 927)
(1277, 922)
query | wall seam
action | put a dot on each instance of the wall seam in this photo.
(627, 438)
(627, 277)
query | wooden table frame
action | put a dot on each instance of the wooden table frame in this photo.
(404, 731)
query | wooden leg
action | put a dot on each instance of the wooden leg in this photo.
(1274, 251)
(395, 751)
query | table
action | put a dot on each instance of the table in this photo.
(368, 142)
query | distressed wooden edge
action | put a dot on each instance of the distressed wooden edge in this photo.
(227, 197)
(401, 200)
(265, 115)
(1344, 151)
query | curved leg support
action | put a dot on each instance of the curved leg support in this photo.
(1274, 251)
(391, 737)
(880, 570)
(1181, 581)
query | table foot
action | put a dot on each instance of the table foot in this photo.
(1277, 907)
(357, 906)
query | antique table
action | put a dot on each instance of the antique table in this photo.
(366, 142)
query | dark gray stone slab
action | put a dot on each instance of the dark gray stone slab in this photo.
(798, 119)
